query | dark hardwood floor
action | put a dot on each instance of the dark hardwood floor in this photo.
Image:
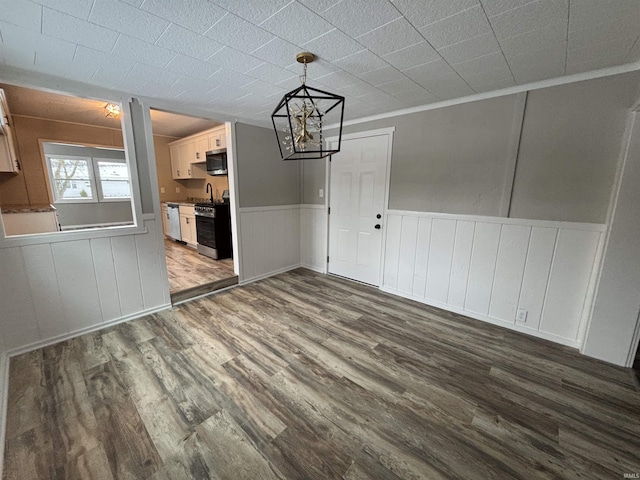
(192, 274)
(305, 376)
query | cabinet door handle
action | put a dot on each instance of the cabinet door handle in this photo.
(167, 215)
(187, 221)
(189, 172)
(178, 172)
(197, 155)
(217, 142)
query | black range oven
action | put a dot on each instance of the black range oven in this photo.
(213, 229)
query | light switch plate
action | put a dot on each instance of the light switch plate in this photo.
(321, 192)
(177, 189)
(162, 190)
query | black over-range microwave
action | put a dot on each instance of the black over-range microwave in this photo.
(217, 162)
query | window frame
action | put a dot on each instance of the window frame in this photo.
(52, 179)
(94, 174)
(101, 197)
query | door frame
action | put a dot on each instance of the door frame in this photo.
(389, 131)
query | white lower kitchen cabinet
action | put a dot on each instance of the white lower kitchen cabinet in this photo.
(165, 218)
(188, 225)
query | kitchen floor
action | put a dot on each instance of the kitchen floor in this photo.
(192, 274)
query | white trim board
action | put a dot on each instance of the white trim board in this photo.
(269, 208)
(595, 227)
(270, 274)
(527, 87)
(4, 397)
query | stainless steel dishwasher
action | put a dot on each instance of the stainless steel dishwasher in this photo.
(173, 209)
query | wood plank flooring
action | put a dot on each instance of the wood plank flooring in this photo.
(306, 376)
(192, 274)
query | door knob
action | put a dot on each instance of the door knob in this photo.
(378, 227)
(378, 216)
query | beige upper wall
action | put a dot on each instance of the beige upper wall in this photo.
(569, 150)
(452, 159)
(263, 178)
(29, 186)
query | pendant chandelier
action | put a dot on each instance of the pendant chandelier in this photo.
(301, 116)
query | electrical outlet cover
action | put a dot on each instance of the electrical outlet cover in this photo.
(521, 315)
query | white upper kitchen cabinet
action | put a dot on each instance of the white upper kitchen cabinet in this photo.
(8, 157)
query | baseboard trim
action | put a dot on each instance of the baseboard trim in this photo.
(271, 274)
(4, 397)
(83, 331)
(484, 318)
(313, 268)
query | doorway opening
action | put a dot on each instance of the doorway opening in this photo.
(195, 203)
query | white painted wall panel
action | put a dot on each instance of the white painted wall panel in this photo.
(407, 259)
(488, 267)
(443, 233)
(77, 281)
(568, 282)
(536, 274)
(270, 238)
(313, 237)
(422, 256)
(392, 251)
(460, 263)
(127, 274)
(247, 227)
(483, 266)
(149, 251)
(52, 290)
(41, 273)
(19, 325)
(106, 278)
(512, 254)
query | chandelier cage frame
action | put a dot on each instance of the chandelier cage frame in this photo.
(298, 122)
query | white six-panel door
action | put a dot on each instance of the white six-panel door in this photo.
(357, 197)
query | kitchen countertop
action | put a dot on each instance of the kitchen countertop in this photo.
(187, 204)
(35, 208)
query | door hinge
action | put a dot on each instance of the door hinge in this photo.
(329, 211)
(327, 258)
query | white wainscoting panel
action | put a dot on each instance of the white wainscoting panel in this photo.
(489, 267)
(443, 234)
(313, 237)
(270, 240)
(461, 262)
(50, 291)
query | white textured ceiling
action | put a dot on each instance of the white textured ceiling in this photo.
(237, 57)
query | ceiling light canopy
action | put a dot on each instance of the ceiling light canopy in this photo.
(301, 116)
(112, 110)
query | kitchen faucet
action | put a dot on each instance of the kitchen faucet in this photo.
(210, 187)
